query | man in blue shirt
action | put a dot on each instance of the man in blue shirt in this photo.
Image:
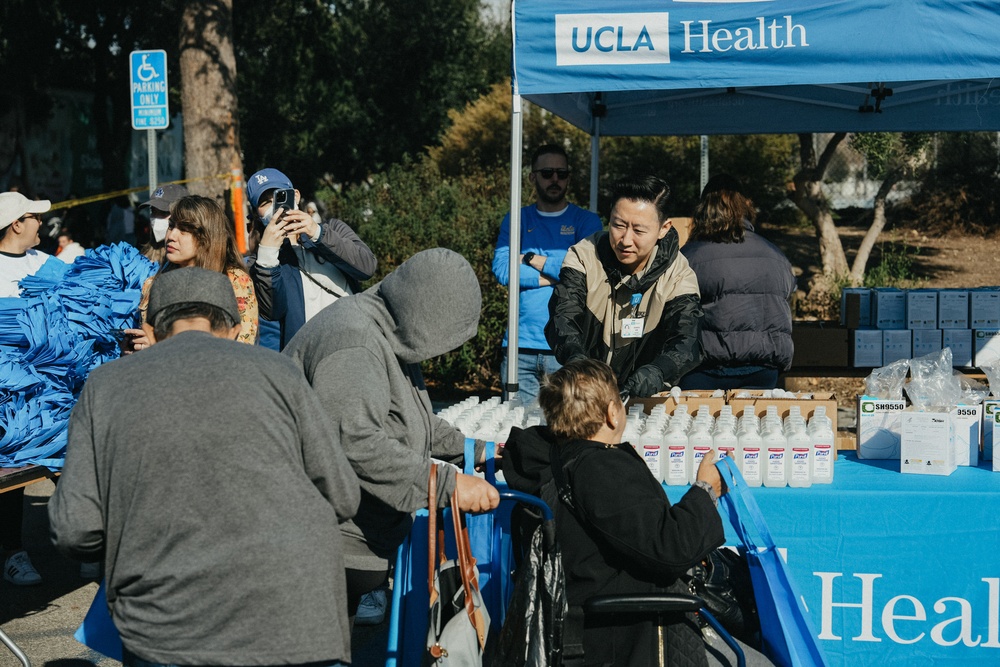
(548, 228)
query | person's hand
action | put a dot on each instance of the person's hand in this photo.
(474, 494)
(644, 381)
(297, 222)
(274, 233)
(707, 472)
(135, 340)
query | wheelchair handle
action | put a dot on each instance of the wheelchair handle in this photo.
(528, 500)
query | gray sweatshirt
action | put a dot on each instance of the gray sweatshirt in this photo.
(202, 472)
(362, 356)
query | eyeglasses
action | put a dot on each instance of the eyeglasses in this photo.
(29, 216)
(563, 174)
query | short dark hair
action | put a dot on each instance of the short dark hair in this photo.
(575, 398)
(219, 319)
(643, 188)
(548, 149)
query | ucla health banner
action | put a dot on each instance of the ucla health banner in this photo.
(894, 569)
(595, 45)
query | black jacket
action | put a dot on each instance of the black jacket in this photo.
(745, 289)
(633, 540)
(593, 295)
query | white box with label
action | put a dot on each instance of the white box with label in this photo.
(987, 347)
(921, 309)
(926, 443)
(926, 341)
(960, 342)
(984, 309)
(889, 308)
(991, 409)
(878, 427)
(867, 349)
(856, 307)
(968, 424)
(953, 309)
(896, 344)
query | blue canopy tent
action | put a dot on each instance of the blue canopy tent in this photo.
(688, 67)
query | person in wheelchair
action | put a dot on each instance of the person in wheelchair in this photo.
(618, 532)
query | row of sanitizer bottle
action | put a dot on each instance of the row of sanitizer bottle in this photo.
(768, 451)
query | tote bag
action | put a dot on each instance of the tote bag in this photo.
(787, 636)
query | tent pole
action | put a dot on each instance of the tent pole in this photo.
(595, 161)
(513, 292)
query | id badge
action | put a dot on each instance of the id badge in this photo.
(632, 327)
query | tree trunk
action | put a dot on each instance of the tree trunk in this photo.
(809, 197)
(878, 223)
(208, 95)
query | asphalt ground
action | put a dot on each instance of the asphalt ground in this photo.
(41, 619)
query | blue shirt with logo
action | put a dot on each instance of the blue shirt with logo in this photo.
(548, 234)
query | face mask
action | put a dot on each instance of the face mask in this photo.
(159, 226)
(266, 218)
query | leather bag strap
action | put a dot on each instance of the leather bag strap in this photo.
(467, 568)
(432, 513)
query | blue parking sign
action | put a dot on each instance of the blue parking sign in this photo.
(148, 85)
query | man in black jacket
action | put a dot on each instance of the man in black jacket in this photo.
(628, 297)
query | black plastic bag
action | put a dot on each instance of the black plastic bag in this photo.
(532, 631)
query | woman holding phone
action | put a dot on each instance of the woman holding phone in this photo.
(199, 234)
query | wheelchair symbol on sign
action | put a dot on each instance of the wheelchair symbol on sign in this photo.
(145, 71)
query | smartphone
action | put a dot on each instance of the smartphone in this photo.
(284, 199)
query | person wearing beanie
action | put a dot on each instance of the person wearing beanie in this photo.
(301, 265)
(20, 220)
(203, 474)
(362, 355)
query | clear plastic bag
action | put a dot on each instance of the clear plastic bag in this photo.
(887, 382)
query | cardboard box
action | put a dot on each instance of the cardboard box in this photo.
(878, 427)
(984, 308)
(926, 341)
(991, 409)
(921, 309)
(866, 348)
(896, 345)
(692, 399)
(739, 399)
(953, 309)
(960, 342)
(927, 443)
(889, 308)
(986, 347)
(856, 307)
(819, 344)
(968, 425)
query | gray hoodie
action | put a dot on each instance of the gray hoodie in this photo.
(361, 354)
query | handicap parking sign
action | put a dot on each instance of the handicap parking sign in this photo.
(148, 85)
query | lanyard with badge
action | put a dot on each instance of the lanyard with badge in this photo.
(632, 327)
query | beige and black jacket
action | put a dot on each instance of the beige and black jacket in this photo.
(594, 295)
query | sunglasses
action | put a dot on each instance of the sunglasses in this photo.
(563, 174)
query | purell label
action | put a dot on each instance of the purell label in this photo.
(775, 463)
(675, 465)
(821, 460)
(651, 455)
(800, 464)
(751, 463)
(729, 451)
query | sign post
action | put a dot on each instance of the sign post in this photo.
(150, 106)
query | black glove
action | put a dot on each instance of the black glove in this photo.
(645, 381)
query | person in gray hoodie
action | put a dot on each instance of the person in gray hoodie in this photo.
(201, 472)
(362, 354)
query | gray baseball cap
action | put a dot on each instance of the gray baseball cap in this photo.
(191, 285)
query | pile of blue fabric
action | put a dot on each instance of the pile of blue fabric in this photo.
(68, 321)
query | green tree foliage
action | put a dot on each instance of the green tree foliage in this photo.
(84, 46)
(346, 89)
(412, 207)
(962, 188)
